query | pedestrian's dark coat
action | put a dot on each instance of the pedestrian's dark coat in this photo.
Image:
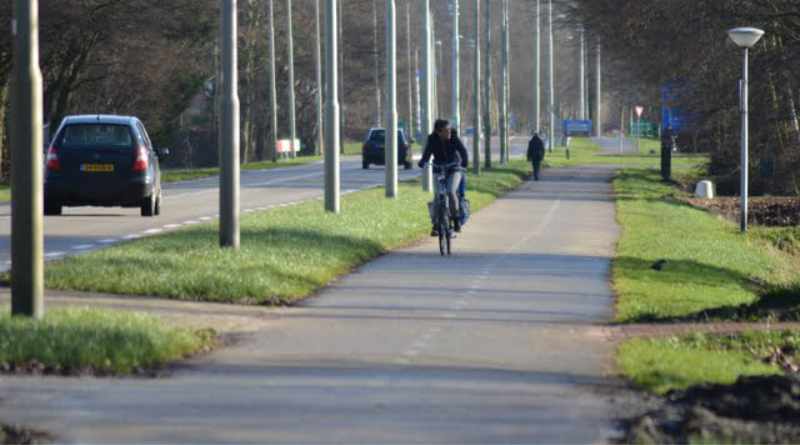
(536, 149)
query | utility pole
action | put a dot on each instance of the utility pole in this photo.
(456, 77)
(598, 91)
(427, 87)
(378, 107)
(487, 86)
(410, 125)
(229, 177)
(27, 240)
(551, 81)
(292, 119)
(582, 73)
(391, 100)
(318, 63)
(476, 96)
(273, 91)
(332, 184)
(536, 125)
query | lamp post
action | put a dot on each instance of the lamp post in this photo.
(551, 79)
(427, 85)
(390, 144)
(290, 63)
(229, 155)
(476, 93)
(537, 69)
(27, 240)
(745, 38)
(331, 131)
(318, 66)
(456, 78)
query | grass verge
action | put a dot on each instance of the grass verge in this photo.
(677, 261)
(187, 174)
(77, 341)
(583, 151)
(663, 365)
(5, 193)
(286, 254)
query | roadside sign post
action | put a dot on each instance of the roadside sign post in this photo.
(331, 131)
(639, 111)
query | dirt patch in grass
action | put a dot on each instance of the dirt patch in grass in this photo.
(752, 410)
(15, 435)
(766, 211)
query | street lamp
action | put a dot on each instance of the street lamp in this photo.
(745, 38)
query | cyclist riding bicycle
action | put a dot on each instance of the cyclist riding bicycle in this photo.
(446, 148)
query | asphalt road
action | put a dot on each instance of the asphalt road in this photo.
(83, 229)
(501, 343)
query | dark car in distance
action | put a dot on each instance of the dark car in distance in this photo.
(374, 149)
(105, 161)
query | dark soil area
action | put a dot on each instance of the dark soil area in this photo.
(752, 410)
(765, 211)
(13, 435)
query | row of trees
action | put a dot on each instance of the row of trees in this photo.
(651, 43)
(158, 60)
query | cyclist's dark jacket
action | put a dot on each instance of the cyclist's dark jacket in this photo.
(445, 152)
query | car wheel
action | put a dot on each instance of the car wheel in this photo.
(149, 205)
(157, 210)
(52, 209)
(407, 165)
(365, 165)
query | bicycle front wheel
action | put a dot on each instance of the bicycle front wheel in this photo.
(444, 238)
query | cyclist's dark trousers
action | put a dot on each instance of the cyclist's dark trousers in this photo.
(453, 182)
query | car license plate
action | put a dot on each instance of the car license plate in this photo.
(97, 168)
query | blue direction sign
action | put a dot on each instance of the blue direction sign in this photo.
(577, 127)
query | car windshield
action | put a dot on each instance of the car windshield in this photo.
(378, 135)
(96, 136)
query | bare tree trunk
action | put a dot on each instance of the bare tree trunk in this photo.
(3, 132)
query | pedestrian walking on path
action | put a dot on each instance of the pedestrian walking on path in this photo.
(536, 154)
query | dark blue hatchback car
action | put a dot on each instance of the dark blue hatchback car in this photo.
(374, 149)
(102, 160)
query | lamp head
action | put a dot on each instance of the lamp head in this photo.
(745, 37)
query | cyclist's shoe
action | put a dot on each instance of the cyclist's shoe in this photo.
(434, 232)
(457, 226)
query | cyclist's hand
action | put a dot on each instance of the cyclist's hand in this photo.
(421, 164)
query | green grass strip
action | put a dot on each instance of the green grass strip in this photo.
(583, 151)
(662, 365)
(105, 342)
(286, 253)
(187, 174)
(708, 263)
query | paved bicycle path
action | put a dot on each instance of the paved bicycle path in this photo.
(501, 343)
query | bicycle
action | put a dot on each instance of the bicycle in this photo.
(440, 213)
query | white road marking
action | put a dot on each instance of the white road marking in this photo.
(108, 241)
(153, 231)
(206, 218)
(191, 222)
(132, 236)
(52, 255)
(82, 247)
(171, 226)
